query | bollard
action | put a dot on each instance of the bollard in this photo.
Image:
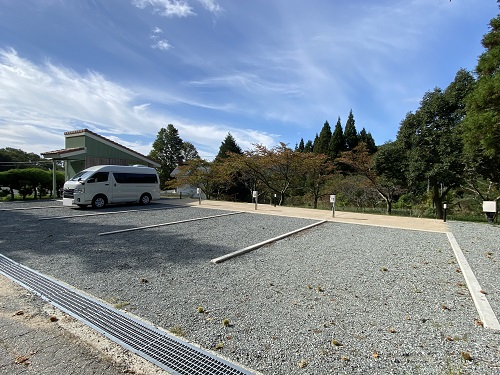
(444, 213)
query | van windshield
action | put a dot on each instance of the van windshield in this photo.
(83, 175)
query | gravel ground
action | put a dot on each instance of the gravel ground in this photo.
(339, 298)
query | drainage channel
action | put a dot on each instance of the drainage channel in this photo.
(166, 351)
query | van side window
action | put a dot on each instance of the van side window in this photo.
(135, 178)
(100, 176)
(120, 178)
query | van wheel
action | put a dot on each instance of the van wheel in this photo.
(145, 199)
(99, 201)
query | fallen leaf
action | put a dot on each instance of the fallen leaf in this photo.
(22, 359)
(466, 356)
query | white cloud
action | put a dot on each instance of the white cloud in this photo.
(212, 6)
(162, 44)
(167, 8)
(38, 103)
(156, 31)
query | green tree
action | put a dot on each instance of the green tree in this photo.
(238, 189)
(11, 158)
(308, 147)
(337, 142)
(368, 140)
(350, 133)
(431, 138)
(228, 146)
(301, 146)
(29, 181)
(321, 144)
(481, 127)
(189, 151)
(167, 150)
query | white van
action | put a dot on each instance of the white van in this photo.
(105, 184)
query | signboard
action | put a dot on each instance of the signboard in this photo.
(198, 191)
(254, 194)
(332, 199)
(489, 206)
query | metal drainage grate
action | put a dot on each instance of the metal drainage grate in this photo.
(166, 351)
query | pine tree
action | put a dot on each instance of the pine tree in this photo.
(308, 147)
(315, 142)
(167, 150)
(337, 142)
(350, 133)
(368, 140)
(301, 146)
(228, 145)
(321, 145)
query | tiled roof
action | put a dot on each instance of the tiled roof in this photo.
(64, 150)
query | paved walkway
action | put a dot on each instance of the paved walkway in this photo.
(411, 223)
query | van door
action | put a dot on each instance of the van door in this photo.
(124, 188)
(96, 184)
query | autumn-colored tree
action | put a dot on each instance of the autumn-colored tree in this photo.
(274, 169)
(209, 177)
(361, 161)
(317, 173)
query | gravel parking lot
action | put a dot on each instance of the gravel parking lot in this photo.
(338, 298)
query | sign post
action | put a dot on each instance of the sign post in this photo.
(255, 195)
(274, 199)
(445, 206)
(490, 210)
(332, 201)
(198, 191)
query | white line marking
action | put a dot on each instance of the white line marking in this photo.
(102, 213)
(483, 307)
(165, 224)
(29, 208)
(260, 244)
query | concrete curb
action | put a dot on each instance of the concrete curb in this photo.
(483, 307)
(260, 244)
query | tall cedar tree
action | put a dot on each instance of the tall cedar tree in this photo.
(237, 189)
(167, 150)
(350, 133)
(481, 127)
(308, 147)
(228, 145)
(301, 146)
(337, 142)
(368, 140)
(316, 139)
(321, 145)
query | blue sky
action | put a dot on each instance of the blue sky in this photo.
(267, 71)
